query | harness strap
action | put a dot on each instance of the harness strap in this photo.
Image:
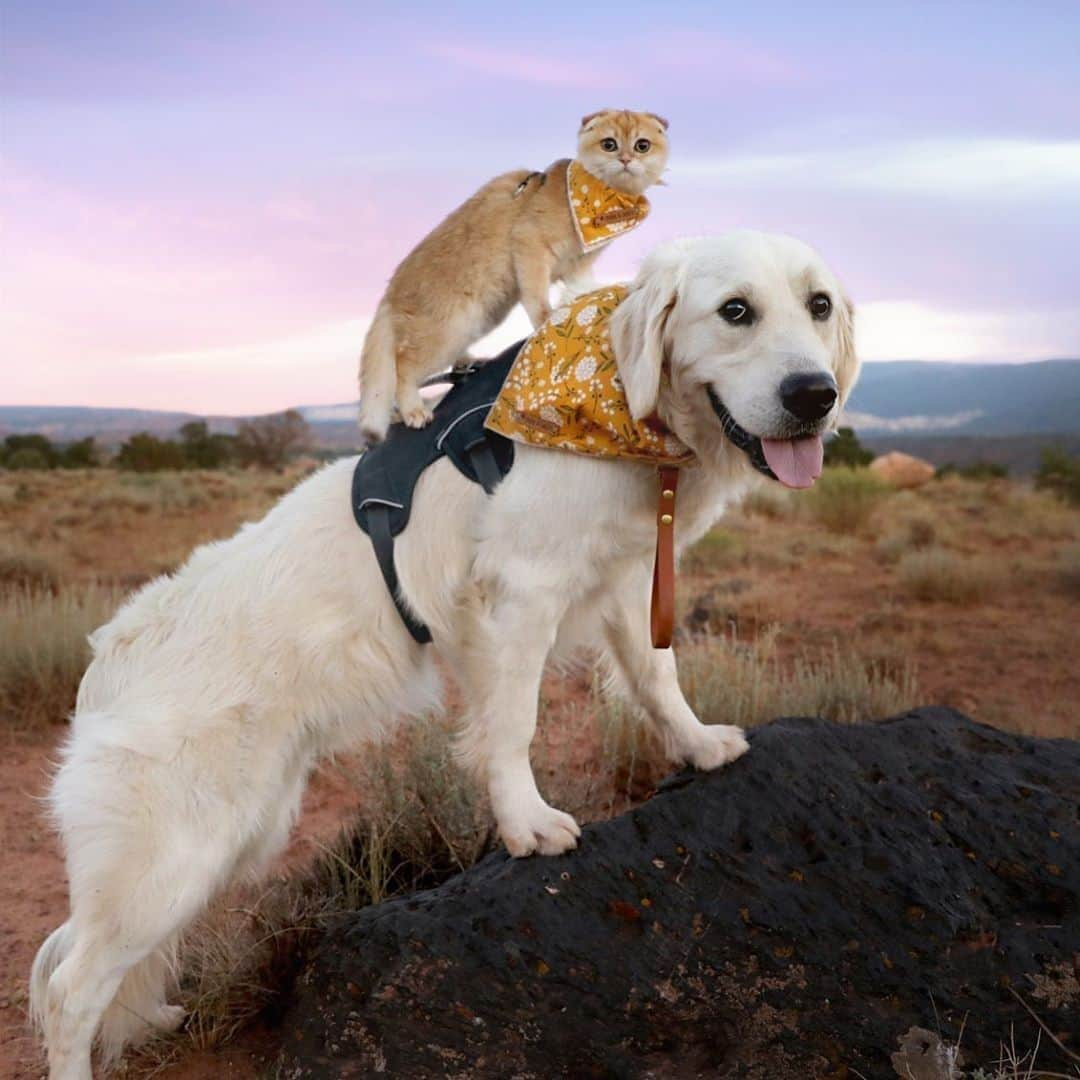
(482, 458)
(378, 521)
(662, 616)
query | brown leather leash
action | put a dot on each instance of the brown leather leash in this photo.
(662, 617)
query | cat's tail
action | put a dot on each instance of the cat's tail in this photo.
(378, 377)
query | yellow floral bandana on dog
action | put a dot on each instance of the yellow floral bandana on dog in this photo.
(564, 391)
(600, 212)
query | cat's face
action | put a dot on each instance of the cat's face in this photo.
(627, 150)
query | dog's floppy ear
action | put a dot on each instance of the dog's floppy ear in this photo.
(637, 331)
(846, 361)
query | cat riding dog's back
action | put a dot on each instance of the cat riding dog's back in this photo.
(513, 239)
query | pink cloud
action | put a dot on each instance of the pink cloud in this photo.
(525, 67)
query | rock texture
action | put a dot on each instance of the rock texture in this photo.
(792, 916)
(902, 470)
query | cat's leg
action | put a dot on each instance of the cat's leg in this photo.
(533, 265)
(651, 681)
(415, 412)
(377, 377)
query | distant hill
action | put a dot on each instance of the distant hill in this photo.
(922, 398)
(941, 411)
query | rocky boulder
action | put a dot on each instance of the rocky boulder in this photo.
(795, 915)
(902, 470)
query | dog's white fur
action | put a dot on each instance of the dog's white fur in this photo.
(214, 691)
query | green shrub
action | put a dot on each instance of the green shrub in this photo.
(844, 448)
(1059, 473)
(147, 453)
(937, 575)
(843, 499)
(26, 458)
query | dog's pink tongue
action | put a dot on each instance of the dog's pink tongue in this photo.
(797, 463)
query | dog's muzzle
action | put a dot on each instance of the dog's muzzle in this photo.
(749, 444)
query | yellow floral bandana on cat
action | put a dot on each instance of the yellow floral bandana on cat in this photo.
(600, 212)
(564, 391)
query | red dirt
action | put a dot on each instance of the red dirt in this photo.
(33, 901)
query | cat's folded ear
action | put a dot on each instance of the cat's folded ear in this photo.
(662, 121)
(638, 327)
(590, 117)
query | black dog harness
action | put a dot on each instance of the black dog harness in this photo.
(386, 475)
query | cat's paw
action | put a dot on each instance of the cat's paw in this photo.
(417, 416)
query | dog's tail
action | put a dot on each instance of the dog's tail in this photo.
(49, 957)
(378, 377)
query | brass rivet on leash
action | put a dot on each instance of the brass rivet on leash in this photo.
(662, 615)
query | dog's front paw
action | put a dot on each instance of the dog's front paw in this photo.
(716, 745)
(542, 829)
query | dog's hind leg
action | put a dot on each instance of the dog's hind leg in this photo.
(650, 679)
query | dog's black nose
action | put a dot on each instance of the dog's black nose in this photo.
(808, 397)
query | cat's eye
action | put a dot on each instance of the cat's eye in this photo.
(820, 305)
(642, 146)
(737, 312)
(610, 145)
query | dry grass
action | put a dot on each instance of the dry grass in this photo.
(730, 682)
(843, 500)
(1069, 569)
(421, 825)
(22, 568)
(935, 575)
(44, 651)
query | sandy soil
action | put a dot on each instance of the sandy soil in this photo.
(1006, 658)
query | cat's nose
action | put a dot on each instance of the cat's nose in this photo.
(625, 160)
(810, 396)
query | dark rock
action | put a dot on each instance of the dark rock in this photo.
(793, 915)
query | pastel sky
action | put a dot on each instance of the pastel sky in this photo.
(202, 201)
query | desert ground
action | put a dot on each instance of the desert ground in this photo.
(853, 601)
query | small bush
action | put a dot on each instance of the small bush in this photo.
(717, 549)
(770, 501)
(27, 571)
(976, 470)
(935, 575)
(913, 534)
(843, 499)
(1069, 569)
(844, 448)
(147, 453)
(728, 682)
(26, 458)
(44, 651)
(1060, 474)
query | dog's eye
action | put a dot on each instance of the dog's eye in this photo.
(610, 145)
(642, 146)
(820, 306)
(737, 312)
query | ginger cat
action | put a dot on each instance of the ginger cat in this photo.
(519, 234)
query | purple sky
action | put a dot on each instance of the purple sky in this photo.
(201, 202)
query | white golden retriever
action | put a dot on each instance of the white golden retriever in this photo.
(214, 690)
